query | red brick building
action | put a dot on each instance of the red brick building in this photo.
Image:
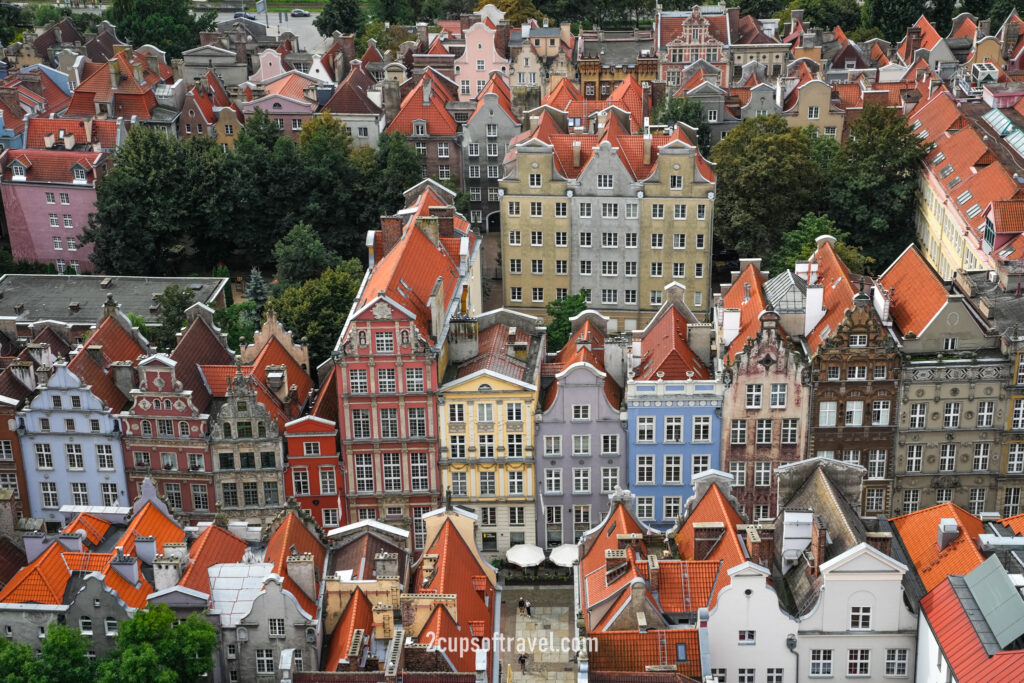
(425, 120)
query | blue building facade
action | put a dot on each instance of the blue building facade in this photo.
(71, 446)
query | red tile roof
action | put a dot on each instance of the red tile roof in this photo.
(929, 39)
(634, 651)
(351, 96)
(917, 292)
(664, 349)
(585, 345)
(218, 376)
(132, 96)
(326, 405)
(54, 166)
(214, 546)
(199, 345)
(290, 84)
(1014, 524)
(493, 354)
(714, 507)
(358, 614)
(94, 527)
(919, 533)
(103, 131)
(292, 532)
(959, 642)
(496, 84)
(151, 521)
(117, 346)
(438, 119)
(274, 353)
(750, 305)
(835, 279)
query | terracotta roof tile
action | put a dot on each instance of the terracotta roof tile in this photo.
(714, 507)
(585, 345)
(351, 96)
(94, 527)
(493, 354)
(664, 349)
(358, 614)
(634, 651)
(439, 120)
(746, 294)
(919, 533)
(917, 292)
(292, 532)
(54, 166)
(151, 521)
(199, 345)
(835, 279)
(214, 546)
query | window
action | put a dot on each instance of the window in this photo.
(386, 382)
(951, 416)
(392, 470)
(678, 270)
(821, 662)
(911, 500)
(553, 480)
(629, 296)
(264, 661)
(417, 422)
(580, 412)
(880, 412)
(876, 463)
(658, 211)
(534, 180)
(645, 469)
(609, 210)
(981, 454)
(328, 483)
(553, 445)
(854, 413)
(44, 457)
(775, 675)
(914, 457)
(947, 457)
(609, 444)
(513, 235)
(753, 396)
(874, 499)
(73, 452)
(789, 431)
(896, 662)
(514, 412)
(976, 502)
(764, 432)
(389, 423)
(561, 268)
(49, 491)
(857, 372)
(485, 445)
(514, 445)
(581, 480)
(515, 481)
(833, 372)
(860, 618)
(1018, 414)
(79, 493)
(881, 372)
(812, 112)
(943, 495)
(516, 516)
(698, 271)
(701, 215)
(609, 479)
(1015, 459)
(827, 414)
(561, 239)
(173, 494)
(673, 469)
(700, 464)
(673, 429)
(858, 340)
(536, 209)
(917, 415)
(1011, 502)
(738, 470)
(604, 181)
(384, 342)
(537, 294)
(762, 474)
(747, 637)
(645, 507)
(645, 431)
(418, 475)
(986, 413)
(515, 266)
(702, 429)
(859, 663)
(357, 382)
(537, 266)
(778, 396)
(364, 472)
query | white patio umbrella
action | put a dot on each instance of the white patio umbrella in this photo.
(565, 555)
(525, 555)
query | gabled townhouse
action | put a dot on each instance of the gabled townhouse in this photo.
(642, 612)
(487, 404)
(75, 442)
(542, 55)
(485, 139)
(605, 59)
(764, 405)
(94, 574)
(290, 99)
(572, 191)
(166, 438)
(268, 610)
(79, 135)
(485, 54)
(230, 68)
(700, 82)
(392, 354)
(48, 195)
(357, 103)
(674, 407)
(208, 110)
(807, 101)
(581, 427)
(313, 473)
(855, 371)
(34, 90)
(953, 373)
(426, 122)
(132, 85)
(923, 40)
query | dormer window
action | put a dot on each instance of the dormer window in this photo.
(80, 174)
(17, 171)
(419, 129)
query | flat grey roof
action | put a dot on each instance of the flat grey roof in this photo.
(49, 297)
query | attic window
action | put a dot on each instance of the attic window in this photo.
(974, 210)
(964, 197)
(17, 171)
(939, 158)
(944, 173)
(79, 174)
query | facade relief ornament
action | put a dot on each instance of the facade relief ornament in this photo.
(381, 311)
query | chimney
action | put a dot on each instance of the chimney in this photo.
(653, 571)
(137, 72)
(35, 543)
(115, 73)
(392, 98)
(445, 220)
(109, 306)
(153, 64)
(427, 83)
(428, 224)
(948, 532)
(647, 148)
(302, 570)
(913, 41)
(127, 566)
(577, 149)
(71, 541)
(48, 140)
(95, 352)
(58, 35)
(391, 232)
(429, 566)
(638, 596)
(175, 550)
(880, 541)
(705, 537)
(819, 545)
(166, 572)
(422, 34)
(566, 32)
(145, 548)
(1010, 34)
(614, 560)
(69, 141)
(761, 543)
(385, 565)
(124, 376)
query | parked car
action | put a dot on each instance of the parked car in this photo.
(300, 13)
(245, 15)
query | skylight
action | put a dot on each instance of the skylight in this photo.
(964, 197)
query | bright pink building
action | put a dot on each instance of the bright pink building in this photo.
(165, 438)
(48, 195)
(484, 54)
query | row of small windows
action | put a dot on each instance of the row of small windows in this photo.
(608, 268)
(608, 296)
(609, 240)
(608, 210)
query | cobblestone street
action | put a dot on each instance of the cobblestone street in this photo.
(551, 622)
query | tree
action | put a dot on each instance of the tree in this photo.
(384, 174)
(691, 112)
(17, 662)
(220, 270)
(999, 11)
(828, 13)
(168, 24)
(872, 193)
(301, 256)
(766, 181)
(761, 9)
(560, 310)
(893, 17)
(64, 657)
(152, 648)
(317, 309)
(340, 15)
(46, 14)
(12, 20)
(394, 11)
(237, 322)
(517, 12)
(171, 317)
(256, 289)
(799, 244)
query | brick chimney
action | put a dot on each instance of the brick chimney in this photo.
(614, 559)
(880, 541)
(385, 564)
(429, 565)
(761, 543)
(95, 352)
(653, 572)
(913, 41)
(705, 537)
(302, 570)
(115, 73)
(390, 233)
(445, 216)
(1010, 35)
(819, 544)
(428, 224)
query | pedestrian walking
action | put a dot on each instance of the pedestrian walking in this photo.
(522, 661)
(529, 609)
(522, 606)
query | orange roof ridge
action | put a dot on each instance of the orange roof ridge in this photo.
(917, 293)
(214, 546)
(918, 532)
(747, 295)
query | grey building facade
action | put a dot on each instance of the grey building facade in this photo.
(486, 136)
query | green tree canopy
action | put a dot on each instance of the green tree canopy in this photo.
(871, 193)
(893, 17)
(171, 318)
(256, 289)
(691, 112)
(64, 656)
(560, 310)
(317, 309)
(152, 648)
(766, 181)
(301, 256)
(17, 662)
(340, 15)
(799, 244)
(238, 323)
(168, 24)
(827, 13)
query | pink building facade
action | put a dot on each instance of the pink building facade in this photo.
(483, 56)
(47, 197)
